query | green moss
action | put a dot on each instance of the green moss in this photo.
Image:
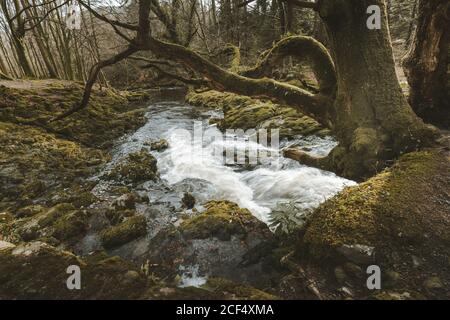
(70, 226)
(106, 117)
(29, 211)
(116, 216)
(242, 112)
(38, 271)
(221, 219)
(137, 167)
(401, 212)
(231, 290)
(131, 229)
(55, 213)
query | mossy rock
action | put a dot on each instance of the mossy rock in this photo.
(70, 226)
(402, 213)
(54, 213)
(137, 167)
(37, 270)
(222, 219)
(129, 230)
(242, 112)
(159, 145)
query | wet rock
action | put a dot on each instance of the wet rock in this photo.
(126, 201)
(137, 167)
(159, 146)
(224, 241)
(358, 253)
(188, 201)
(129, 230)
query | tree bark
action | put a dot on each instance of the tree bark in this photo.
(374, 123)
(427, 63)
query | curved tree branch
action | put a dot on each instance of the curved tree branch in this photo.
(93, 78)
(306, 49)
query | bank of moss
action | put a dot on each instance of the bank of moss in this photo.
(109, 115)
(37, 270)
(403, 213)
(131, 229)
(242, 112)
(234, 291)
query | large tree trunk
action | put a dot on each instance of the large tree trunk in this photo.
(426, 65)
(374, 122)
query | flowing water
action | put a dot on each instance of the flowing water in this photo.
(262, 188)
(184, 167)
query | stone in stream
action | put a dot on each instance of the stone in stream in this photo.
(188, 201)
(159, 145)
(137, 167)
(224, 241)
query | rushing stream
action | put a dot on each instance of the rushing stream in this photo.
(202, 171)
(263, 187)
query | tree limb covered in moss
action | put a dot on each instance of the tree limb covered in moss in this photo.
(305, 49)
(317, 106)
(195, 82)
(93, 78)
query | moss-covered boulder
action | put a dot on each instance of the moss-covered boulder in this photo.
(71, 226)
(129, 230)
(39, 271)
(242, 112)
(137, 167)
(222, 219)
(401, 217)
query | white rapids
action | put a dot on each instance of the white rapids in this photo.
(259, 189)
